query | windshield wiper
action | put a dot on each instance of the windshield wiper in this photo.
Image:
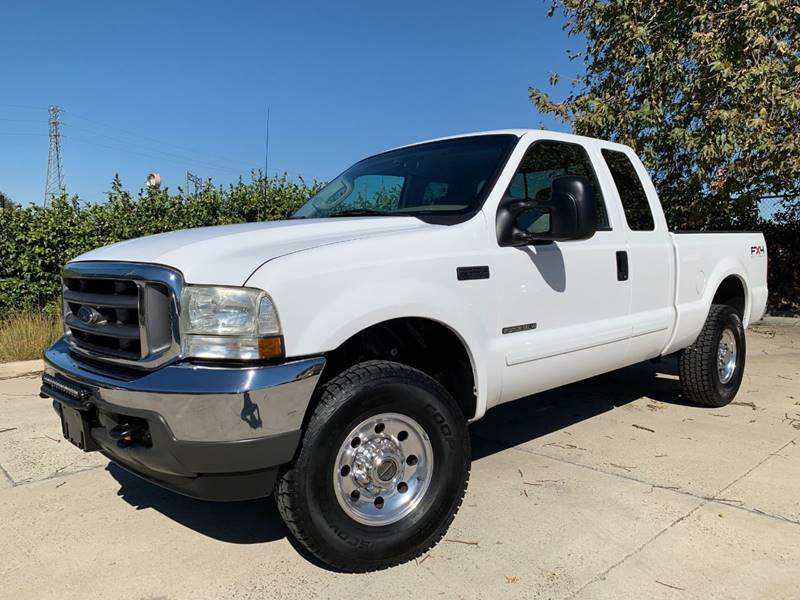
(361, 212)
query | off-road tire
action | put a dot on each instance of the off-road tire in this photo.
(700, 381)
(304, 491)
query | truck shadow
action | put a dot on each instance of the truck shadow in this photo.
(535, 416)
(246, 522)
(257, 521)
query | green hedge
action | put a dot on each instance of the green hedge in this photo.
(36, 241)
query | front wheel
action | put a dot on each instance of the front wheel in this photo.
(711, 369)
(382, 470)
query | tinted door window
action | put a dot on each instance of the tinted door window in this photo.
(543, 162)
(631, 193)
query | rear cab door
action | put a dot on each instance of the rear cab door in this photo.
(650, 252)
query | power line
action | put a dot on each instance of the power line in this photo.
(145, 137)
(21, 133)
(163, 152)
(129, 151)
(54, 184)
(25, 106)
(304, 176)
(20, 120)
(152, 152)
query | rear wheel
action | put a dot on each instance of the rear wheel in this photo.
(382, 470)
(711, 369)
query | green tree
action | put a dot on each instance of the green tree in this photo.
(706, 91)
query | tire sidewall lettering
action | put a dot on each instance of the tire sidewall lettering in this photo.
(441, 422)
(346, 537)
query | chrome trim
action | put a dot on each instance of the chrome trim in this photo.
(141, 274)
(375, 480)
(727, 356)
(203, 403)
(144, 341)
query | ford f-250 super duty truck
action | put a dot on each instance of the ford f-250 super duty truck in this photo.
(335, 358)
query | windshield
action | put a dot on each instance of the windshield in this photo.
(448, 178)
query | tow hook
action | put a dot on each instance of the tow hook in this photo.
(127, 434)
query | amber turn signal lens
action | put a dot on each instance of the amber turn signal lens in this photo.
(271, 347)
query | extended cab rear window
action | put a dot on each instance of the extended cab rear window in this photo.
(631, 193)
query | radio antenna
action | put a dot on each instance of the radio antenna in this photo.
(266, 157)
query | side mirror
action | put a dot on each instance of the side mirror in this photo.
(570, 214)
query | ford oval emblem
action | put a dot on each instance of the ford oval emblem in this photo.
(89, 315)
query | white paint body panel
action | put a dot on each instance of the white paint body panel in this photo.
(331, 278)
(228, 254)
(716, 256)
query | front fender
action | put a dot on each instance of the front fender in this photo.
(324, 296)
(327, 329)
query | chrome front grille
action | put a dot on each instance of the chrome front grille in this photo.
(123, 312)
(102, 315)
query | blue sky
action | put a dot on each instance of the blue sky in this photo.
(171, 86)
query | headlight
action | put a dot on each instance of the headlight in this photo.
(231, 323)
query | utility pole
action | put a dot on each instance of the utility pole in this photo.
(54, 186)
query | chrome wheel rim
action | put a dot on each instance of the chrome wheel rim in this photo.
(726, 356)
(383, 469)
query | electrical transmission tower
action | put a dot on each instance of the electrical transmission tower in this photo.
(55, 168)
(196, 180)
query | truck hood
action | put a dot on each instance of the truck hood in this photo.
(229, 254)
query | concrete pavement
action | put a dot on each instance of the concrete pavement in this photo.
(610, 488)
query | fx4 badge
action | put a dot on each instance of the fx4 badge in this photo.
(757, 250)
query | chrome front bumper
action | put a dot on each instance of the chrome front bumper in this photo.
(202, 403)
(209, 431)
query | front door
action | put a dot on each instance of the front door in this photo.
(564, 306)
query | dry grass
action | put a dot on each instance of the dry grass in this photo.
(25, 336)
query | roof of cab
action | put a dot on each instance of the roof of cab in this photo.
(519, 133)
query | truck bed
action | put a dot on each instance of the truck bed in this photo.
(703, 260)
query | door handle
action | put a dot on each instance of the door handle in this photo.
(622, 265)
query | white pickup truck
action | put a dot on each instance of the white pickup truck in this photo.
(336, 357)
